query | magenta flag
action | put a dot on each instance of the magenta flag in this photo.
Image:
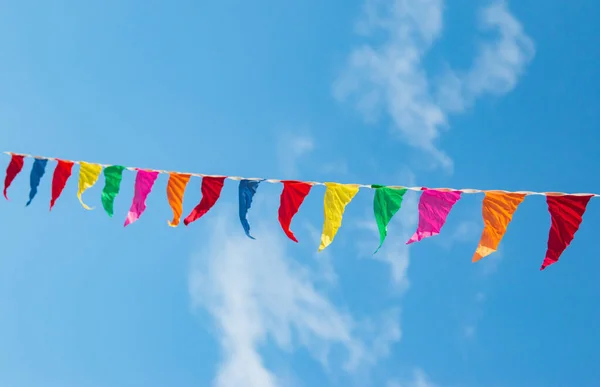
(434, 207)
(144, 180)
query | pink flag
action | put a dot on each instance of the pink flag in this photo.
(144, 180)
(434, 207)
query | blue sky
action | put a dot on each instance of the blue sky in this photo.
(463, 94)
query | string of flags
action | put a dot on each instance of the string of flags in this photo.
(566, 210)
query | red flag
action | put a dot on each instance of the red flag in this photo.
(62, 172)
(211, 190)
(292, 196)
(15, 166)
(566, 212)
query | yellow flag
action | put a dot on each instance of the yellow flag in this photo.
(337, 197)
(88, 176)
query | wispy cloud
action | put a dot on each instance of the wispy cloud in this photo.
(389, 76)
(257, 295)
(467, 231)
(291, 148)
(419, 379)
(489, 265)
(475, 314)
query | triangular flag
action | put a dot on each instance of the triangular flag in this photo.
(566, 212)
(14, 168)
(175, 191)
(434, 207)
(386, 203)
(62, 172)
(292, 196)
(497, 211)
(337, 197)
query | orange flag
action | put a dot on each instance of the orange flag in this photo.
(175, 191)
(498, 209)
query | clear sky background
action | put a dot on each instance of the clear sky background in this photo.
(460, 93)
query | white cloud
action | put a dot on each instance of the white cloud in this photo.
(257, 294)
(489, 265)
(469, 331)
(387, 331)
(325, 272)
(291, 147)
(390, 76)
(480, 297)
(467, 231)
(498, 64)
(419, 379)
(339, 167)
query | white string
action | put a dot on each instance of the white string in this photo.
(277, 181)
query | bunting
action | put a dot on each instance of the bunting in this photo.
(37, 172)
(13, 169)
(498, 207)
(292, 197)
(62, 172)
(386, 203)
(211, 191)
(434, 207)
(144, 180)
(566, 213)
(337, 197)
(246, 191)
(113, 176)
(175, 190)
(88, 176)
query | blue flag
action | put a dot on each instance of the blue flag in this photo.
(247, 189)
(37, 171)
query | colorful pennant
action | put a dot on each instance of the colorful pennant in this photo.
(37, 172)
(566, 213)
(337, 197)
(62, 172)
(211, 191)
(13, 169)
(175, 190)
(113, 176)
(144, 180)
(386, 203)
(88, 176)
(292, 197)
(434, 207)
(498, 207)
(247, 189)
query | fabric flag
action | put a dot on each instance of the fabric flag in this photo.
(246, 190)
(144, 180)
(37, 172)
(62, 172)
(113, 176)
(175, 191)
(88, 176)
(434, 207)
(386, 203)
(14, 168)
(211, 190)
(566, 212)
(497, 211)
(337, 197)
(292, 196)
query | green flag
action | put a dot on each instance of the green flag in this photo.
(113, 176)
(386, 203)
